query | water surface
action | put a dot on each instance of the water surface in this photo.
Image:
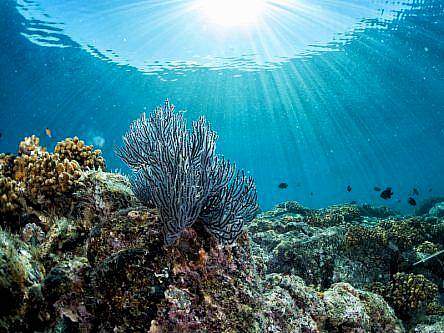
(317, 94)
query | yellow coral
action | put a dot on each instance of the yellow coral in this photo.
(75, 149)
(362, 238)
(31, 146)
(408, 293)
(47, 174)
(427, 248)
(6, 165)
(9, 194)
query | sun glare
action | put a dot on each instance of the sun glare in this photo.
(232, 12)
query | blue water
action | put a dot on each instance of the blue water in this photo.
(319, 94)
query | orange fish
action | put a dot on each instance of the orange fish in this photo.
(48, 132)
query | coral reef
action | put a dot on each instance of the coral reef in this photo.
(102, 265)
(426, 205)
(365, 251)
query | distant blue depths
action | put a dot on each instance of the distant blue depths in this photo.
(366, 111)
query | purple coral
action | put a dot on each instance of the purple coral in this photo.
(178, 171)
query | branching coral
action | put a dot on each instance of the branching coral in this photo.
(407, 293)
(9, 194)
(360, 238)
(39, 175)
(427, 248)
(30, 146)
(187, 181)
(405, 234)
(76, 150)
(46, 174)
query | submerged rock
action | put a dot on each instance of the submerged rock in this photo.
(437, 210)
(20, 276)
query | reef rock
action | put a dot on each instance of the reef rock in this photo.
(437, 210)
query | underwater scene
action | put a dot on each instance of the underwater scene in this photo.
(222, 166)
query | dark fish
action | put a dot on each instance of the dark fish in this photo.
(1, 135)
(412, 201)
(349, 188)
(283, 185)
(430, 189)
(415, 191)
(377, 189)
(387, 193)
(311, 193)
(353, 202)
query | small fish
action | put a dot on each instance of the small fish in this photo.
(1, 134)
(387, 193)
(283, 185)
(430, 189)
(415, 191)
(377, 189)
(48, 132)
(311, 193)
(349, 188)
(412, 201)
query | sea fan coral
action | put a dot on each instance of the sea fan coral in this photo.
(184, 178)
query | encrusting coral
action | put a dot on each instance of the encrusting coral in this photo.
(359, 237)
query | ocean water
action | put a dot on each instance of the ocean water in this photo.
(317, 94)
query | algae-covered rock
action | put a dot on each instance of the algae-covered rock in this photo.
(104, 192)
(19, 273)
(437, 327)
(437, 210)
(291, 306)
(352, 310)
